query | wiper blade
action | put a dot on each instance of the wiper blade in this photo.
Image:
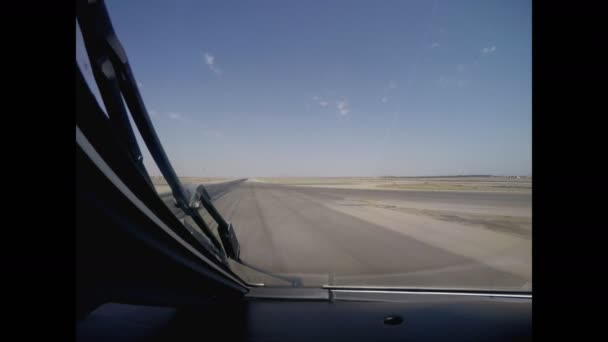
(107, 80)
(225, 228)
(115, 80)
(200, 196)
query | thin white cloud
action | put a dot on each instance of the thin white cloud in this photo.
(139, 85)
(174, 116)
(443, 82)
(434, 45)
(319, 100)
(210, 61)
(391, 85)
(460, 67)
(213, 133)
(342, 107)
(488, 50)
(153, 112)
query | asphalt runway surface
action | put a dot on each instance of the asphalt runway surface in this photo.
(381, 238)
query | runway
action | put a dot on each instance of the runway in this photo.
(429, 239)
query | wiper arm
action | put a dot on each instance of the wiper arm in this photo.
(198, 196)
(116, 82)
(227, 234)
(224, 228)
(101, 54)
(115, 78)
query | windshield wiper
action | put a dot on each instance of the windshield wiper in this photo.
(200, 196)
(225, 228)
(116, 82)
(197, 197)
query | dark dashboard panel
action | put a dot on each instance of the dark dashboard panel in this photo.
(445, 318)
(448, 320)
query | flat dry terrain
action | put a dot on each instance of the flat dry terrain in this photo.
(346, 231)
(161, 184)
(500, 184)
(448, 232)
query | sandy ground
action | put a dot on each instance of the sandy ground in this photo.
(349, 231)
(338, 236)
(496, 184)
(162, 187)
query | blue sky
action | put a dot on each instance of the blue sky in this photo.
(334, 88)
